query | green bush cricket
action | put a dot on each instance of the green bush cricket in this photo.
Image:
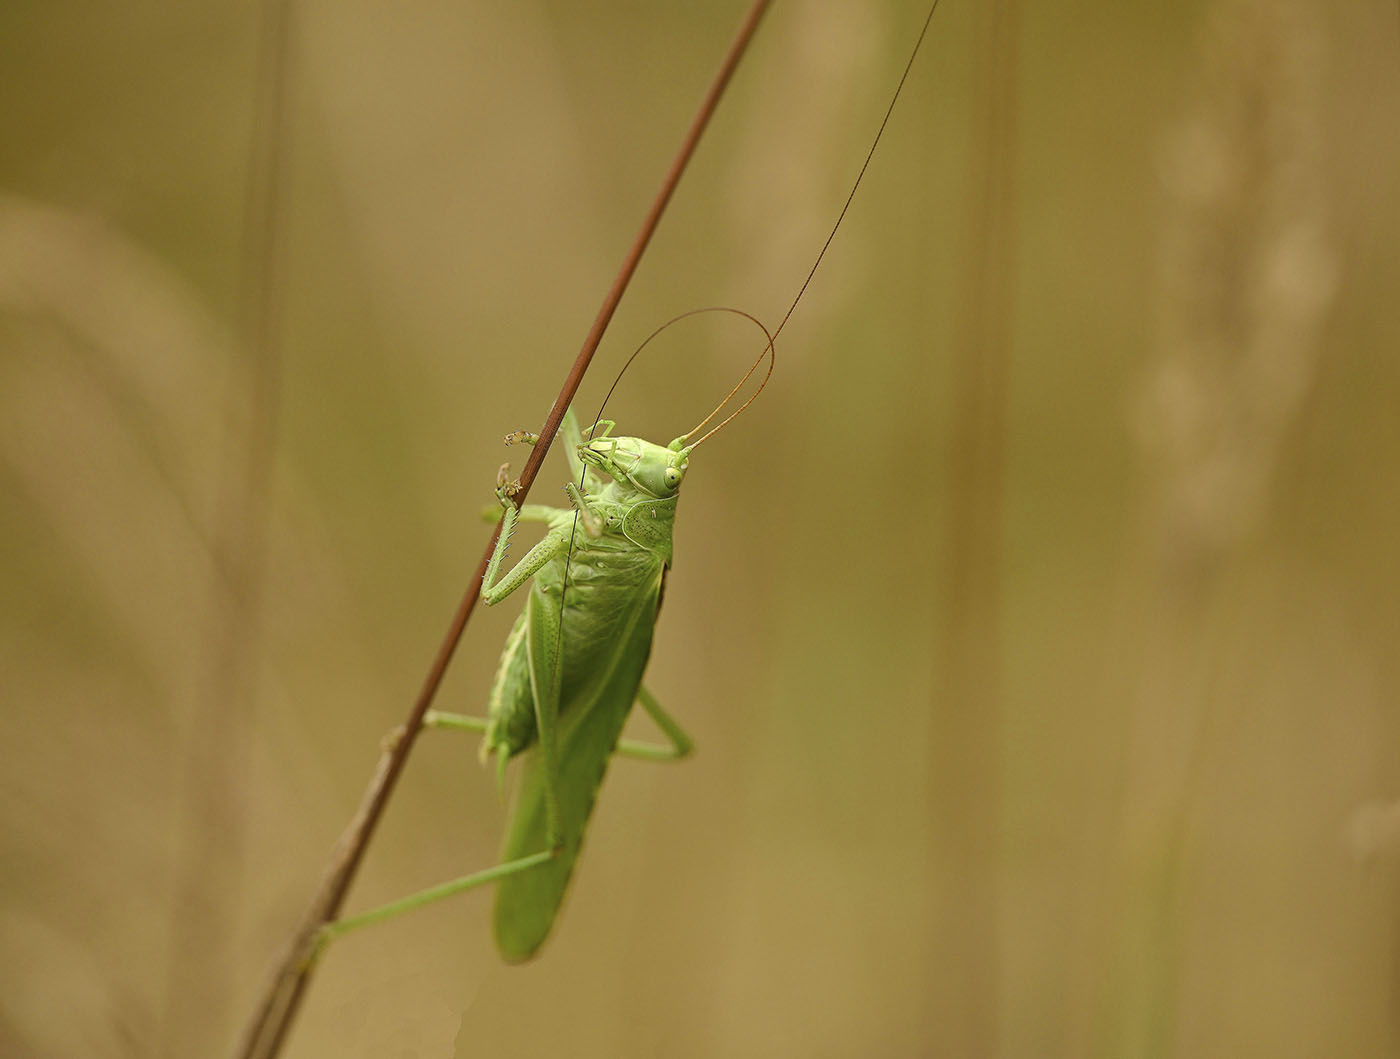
(573, 662)
(572, 665)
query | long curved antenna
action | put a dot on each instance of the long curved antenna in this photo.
(913, 54)
(737, 386)
(772, 337)
(772, 360)
(769, 350)
(899, 88)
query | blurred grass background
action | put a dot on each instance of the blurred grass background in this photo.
(1041, 658)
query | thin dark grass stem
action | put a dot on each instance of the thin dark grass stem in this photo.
(278, 1006)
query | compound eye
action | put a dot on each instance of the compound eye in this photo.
(673, 477)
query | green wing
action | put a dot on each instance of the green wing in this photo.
(527, 903)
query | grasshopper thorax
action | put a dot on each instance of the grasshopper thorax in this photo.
(653, 469)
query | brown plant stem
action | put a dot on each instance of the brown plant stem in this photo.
(272, 1020)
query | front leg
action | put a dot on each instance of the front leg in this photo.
(523, 513)
(572, 439)
(569, 434)
(591, 519)
(507, 489)
(554, 544)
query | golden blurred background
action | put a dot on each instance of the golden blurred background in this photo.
(1037, 627)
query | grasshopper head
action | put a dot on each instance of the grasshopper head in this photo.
(656, 470)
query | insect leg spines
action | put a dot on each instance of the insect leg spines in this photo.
(524, 513)
(493, 591)
(592, 521)
(511, 512)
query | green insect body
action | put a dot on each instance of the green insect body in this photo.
(573, 663)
